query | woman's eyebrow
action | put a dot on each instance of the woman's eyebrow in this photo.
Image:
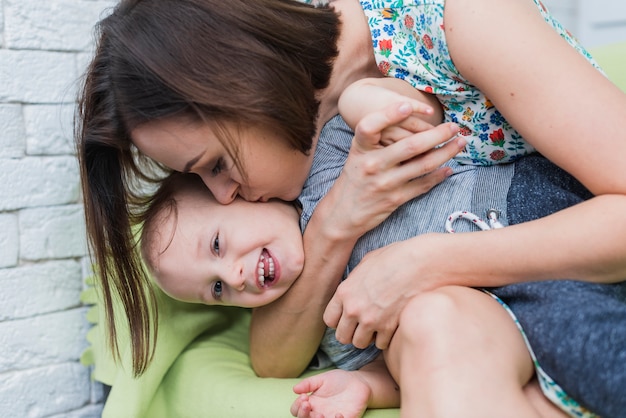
(190, 163)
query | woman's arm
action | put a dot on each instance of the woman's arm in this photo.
(375, 181)
(548, 91)
(571, 114)
(573, 243)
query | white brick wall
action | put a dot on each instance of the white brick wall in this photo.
(44, 47)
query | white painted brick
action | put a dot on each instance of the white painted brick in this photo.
(63, 25)
(43, 340)
(12, 143)
(37, 181)
(52, 232)
(86, 265)
(1, 19)
(37, 76)
(1, 26)
(91, 411)
(9, 241)
(39, 289)
(49, 129)
(82, 61)
(98, 394)
(45, 391)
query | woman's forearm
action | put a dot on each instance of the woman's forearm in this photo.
(584, 242)
(285, 335)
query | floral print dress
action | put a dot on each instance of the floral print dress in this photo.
(409, 43)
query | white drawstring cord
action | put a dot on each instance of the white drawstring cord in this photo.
(492, 217)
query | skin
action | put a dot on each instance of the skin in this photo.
(215, 254)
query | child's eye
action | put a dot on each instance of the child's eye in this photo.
(216, 244)
(219, 166)
(217, 290)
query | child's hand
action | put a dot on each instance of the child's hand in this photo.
(373, 94)
(333, 394)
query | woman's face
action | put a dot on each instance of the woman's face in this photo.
(243, 254)
(271, 168)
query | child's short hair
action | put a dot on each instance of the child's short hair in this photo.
(161, 208)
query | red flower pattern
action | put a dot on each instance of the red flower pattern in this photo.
(384, 67)
(385, 46)
(409, 22)
(465, 131)
(428, 43)
(497, 155)
(497, 137)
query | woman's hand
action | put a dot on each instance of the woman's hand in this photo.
(366, 306)
(377, 179)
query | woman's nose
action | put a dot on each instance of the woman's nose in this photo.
(224, 190)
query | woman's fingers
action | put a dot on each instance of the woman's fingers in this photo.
(369, 129)
(429, 141)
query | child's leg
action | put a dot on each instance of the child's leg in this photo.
(458, 353)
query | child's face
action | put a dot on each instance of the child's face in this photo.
(241, 254)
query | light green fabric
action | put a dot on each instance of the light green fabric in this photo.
(612, 59)
(201, 366)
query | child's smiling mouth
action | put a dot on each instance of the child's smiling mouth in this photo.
(265, 269)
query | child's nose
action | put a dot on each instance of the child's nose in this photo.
(236, 278)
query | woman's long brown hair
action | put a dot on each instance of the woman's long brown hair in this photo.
(245, 62)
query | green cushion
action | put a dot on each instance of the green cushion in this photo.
(201, 368)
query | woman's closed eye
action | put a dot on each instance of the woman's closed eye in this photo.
(218, 167)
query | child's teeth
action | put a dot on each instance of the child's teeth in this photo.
(261, 269)
(260, 272)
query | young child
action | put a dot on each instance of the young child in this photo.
(199, 251)
(249, 254)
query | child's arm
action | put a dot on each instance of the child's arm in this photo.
(346, 393)
(371, 94)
